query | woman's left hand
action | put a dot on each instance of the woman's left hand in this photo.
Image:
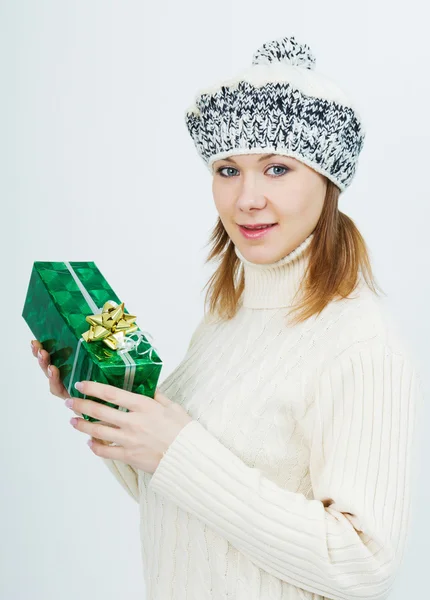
(143, 435)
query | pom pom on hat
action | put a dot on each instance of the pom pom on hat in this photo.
(286, 50)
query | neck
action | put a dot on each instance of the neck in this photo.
(274, 285)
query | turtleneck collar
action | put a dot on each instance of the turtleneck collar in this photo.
(274, 285)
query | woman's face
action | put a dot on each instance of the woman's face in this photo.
(251, 189)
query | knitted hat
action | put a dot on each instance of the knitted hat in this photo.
(280, 105)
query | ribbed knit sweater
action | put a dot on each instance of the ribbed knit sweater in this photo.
(293, 481)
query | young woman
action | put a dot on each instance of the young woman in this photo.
(275, 460)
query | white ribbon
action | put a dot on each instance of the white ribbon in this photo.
(128, 344)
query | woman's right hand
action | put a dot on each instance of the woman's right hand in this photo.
(56, 386)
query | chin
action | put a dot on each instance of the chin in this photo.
(260, 255)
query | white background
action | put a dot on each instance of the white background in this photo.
(96, 164)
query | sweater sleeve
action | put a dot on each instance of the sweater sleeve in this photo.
(347, 541)
(125, 474)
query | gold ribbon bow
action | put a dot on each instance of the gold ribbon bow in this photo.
(110, 326)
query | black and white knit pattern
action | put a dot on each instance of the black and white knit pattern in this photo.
(287, 50)
(277, 116)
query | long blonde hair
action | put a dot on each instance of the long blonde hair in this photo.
(337, 253)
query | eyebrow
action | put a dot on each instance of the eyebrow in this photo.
(265, 157)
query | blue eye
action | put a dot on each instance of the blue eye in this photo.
(279, 167)
(220, 169)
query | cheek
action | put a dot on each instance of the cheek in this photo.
(298, 204)
(294, 207)
(222, 203)
(222, 208)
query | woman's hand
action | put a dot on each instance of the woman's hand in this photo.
(142, 435)
(56, 386)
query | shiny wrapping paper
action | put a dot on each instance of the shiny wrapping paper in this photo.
(60, 297)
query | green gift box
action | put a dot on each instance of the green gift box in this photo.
(60, 297)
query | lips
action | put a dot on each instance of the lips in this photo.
(256, 232)
(261, 226)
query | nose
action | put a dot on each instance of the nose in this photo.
(250, 197)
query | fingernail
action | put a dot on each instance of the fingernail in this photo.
(39, 355)
(32, 345)
(49, 372)
(90, 443)
(69, 403)
(79, 386)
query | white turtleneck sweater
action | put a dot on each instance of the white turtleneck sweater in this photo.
(293, 481)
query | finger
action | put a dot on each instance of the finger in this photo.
(35, 345)
(43, 358)
(114, 395)
(100, 412)
(104, 442)
(109, 434)
(108, 424)
(56, 386)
